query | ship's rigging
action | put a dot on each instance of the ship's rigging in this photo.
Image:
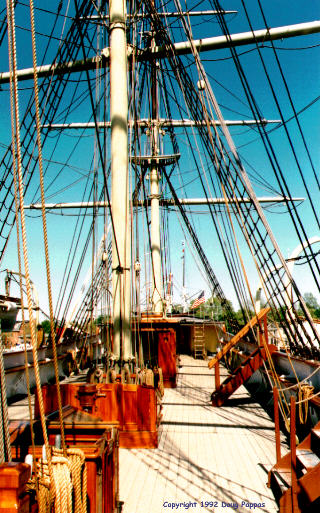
(218, 166)
(125, 73)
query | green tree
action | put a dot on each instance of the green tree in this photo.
(312, 304)
(46, 326)
(311, 301)
(177, 308)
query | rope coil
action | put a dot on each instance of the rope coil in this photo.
(70, 482)
(304, 394)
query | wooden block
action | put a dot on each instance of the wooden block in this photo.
(13, 478)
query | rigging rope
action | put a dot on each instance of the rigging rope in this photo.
(5, 446)
(16, 196)
(44, 222)
(265, 246)
(16, 128)
(51, 95)
(274, 161)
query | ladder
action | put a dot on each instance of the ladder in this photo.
(248, 366)
(237, 338)
(199, 346)
(241, 374)
(303, 493)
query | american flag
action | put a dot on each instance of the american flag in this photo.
(198, 301)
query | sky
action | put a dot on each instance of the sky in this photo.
(299, 59)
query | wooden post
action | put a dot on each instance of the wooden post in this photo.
(265, 323)
(229, 345)
(276, 422)
(294, 483)
(121, 247)
(13, 478)
(217, 375)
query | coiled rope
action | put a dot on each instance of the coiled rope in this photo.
(304, 395)
(79, 478)
(70, 482)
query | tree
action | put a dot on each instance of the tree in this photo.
(311, 301)
(46, 326)
(177, 308)
(312, 304)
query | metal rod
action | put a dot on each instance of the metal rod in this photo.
(203, 45)
(165, 14)
(163, 202)
(46, 70)
(243, 38)
(162, 123)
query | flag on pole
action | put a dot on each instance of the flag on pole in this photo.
(198, 301)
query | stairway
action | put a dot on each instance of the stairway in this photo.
(304, 497)
(199, 346)
(261, 316)
(240, 375)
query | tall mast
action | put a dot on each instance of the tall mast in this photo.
(184, 290)
(157, 303)
(121, 248)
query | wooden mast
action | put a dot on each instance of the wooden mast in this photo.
(183, 48)
(121, 248)
(157, 303)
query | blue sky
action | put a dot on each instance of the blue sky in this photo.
(302, 71)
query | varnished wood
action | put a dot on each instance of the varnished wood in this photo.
(131, 408)
(295, 478)
(217, 375)
(276, 422)
(101, 452)
(167, 356)
(13, 478)
(241, 374)
(234, 340)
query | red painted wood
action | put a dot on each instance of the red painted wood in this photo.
(13, 478)
(102, 464)
(146, 409)
(238, 336)
(293, 452)
(240, 375)
(132, 408)
(167, 355)
(308, 486)
(276, 422)
(217, 375)
(305, 490)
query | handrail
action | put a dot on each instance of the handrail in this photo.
(255, 320)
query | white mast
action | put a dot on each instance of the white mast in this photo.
(121, 249)
(184, 290)
(157, 303)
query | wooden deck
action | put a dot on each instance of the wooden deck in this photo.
(219, 455)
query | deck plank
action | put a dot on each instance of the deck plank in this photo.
(204, 454)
